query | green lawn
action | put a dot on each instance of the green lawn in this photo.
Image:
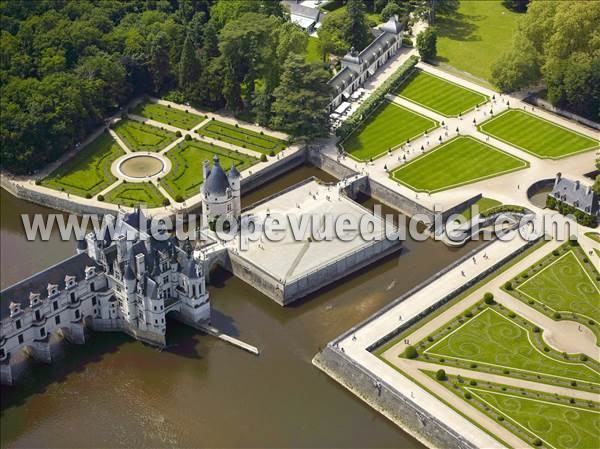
(141, 137)
(242, 137)
(185, 177)
(493, 339)
(594, 236)
(460, 161)
(559, 421)
(131, 194)
(389, 126)
(536, 135)
(170, 116)
(562, 283)
(88, 172)
(471, 39)
(483, 204)
(313, 53)
(439, 95)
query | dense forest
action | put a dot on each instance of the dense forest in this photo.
(67, 65)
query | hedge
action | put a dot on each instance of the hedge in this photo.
(504, 208)
(566, 209)
(376, 98)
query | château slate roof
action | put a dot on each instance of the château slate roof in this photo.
(216, 183)
(577, 195)
(38, 283)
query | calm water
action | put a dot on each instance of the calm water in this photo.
(116, 392)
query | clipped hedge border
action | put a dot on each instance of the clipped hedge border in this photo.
(376, 98)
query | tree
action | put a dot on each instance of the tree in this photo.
(189, 66)
(301, 99)
(559, 43)
(159, 61)
(356, 29)
(427, 44)
(392, 8)
(516, 5)
(331, 37)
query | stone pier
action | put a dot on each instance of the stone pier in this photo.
(40, 350)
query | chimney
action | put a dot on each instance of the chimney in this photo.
(588, 190)
(140, 264)
(121, 247)
(558, 175)
(576, 185)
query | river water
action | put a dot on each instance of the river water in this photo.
(200, 391)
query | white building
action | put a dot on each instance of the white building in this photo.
(358, 67)
(125, 282)
(220, 193)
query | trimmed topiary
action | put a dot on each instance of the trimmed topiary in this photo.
(100, 197)
(508, 285)
(441, 375)
(188, 137)
(488, 298)
(263, 157)
(179, 199)
(411, 352)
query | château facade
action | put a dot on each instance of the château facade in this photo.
(125, 282)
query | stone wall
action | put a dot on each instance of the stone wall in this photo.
(396, 200)
(278, 168)
(55, 200)
(533, 99)
(384, 398)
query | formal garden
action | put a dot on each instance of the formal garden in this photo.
(169, 115)
(536, 135)
(562, 285)
(132, 194)
(461, 160)
(186, 175)
(439, 95)
(389, 126)
(537, 417)
(88, 172)
(242, 137)
(141, 137)
(490, 338)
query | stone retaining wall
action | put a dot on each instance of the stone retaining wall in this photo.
(384, 398)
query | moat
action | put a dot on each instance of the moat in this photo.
(115, 391)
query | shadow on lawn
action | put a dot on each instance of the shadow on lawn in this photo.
(459, 27)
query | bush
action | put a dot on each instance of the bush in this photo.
(468, 395)
(100, 197)
(473, 383)
(179, 199)
(583, 358)
(272, 153)
(178, 133)
(263, 157)
(537, 442)
(508, 285)
(165, 202)
(188, 137)
(536, 329)
(88, 196)
(38, 182)
(556, 316)
(488, 298)
(411, 352)
(441, 375)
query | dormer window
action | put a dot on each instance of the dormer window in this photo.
(69, 281)
(34, 299)
(52, 290)
(90, 272)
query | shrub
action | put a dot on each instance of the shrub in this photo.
(583, 358)
(263, 157)
(179, 199)
(537, 442)
(100, 197)
(88, 196)
(556, 316)
(188, 137)
(271, 153)
(536, 329)
(508, 285)
(468, 395)
(441, 375)
(511, 314)
(178, 133)
(166, 202)
(411, 352)
(488, 298)
(468, 314)
(555, 252)
(38, 182)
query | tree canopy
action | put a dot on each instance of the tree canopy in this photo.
(559, 43)
(65, 66)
